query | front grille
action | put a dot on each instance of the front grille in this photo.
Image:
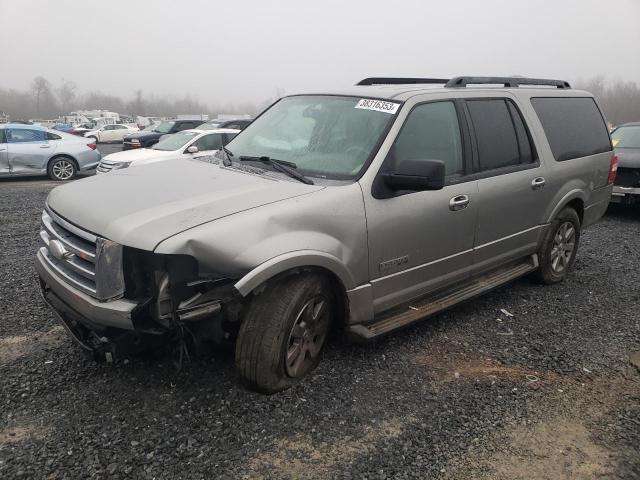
(628, 177)
(105, 166)
(83, 260)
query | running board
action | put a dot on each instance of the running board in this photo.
(434, 303)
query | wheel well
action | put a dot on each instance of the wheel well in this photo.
(339, 290)
(578, 206)
(63, 156)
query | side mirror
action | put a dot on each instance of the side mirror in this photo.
(416, 175)
(192, 149)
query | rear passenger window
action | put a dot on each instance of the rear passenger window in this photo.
(573, 125)
(431, 132)
(53, 136)
(501, 135)
(23, 135)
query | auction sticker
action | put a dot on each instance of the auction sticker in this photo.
(378, 105)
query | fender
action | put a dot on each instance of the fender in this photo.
(571, 195)
(287, 261)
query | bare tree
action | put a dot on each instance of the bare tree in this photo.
(66, 94)
(40, 88)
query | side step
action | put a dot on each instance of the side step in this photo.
(425, 306)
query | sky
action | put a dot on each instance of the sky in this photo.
(250, 50)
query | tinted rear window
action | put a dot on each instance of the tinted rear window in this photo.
(574, 126)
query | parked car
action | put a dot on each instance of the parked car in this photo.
(63, 127)
(239, 124)
(626, 142)
(147, 138)
(185, 144)
(366, 210)
(31, 150)
(111, 133)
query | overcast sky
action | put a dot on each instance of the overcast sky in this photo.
(245, 50)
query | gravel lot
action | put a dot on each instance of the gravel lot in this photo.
(548, 392)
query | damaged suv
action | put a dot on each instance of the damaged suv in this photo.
(360, 211)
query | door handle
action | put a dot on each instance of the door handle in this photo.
(538, 183)
(458, 202)
(45, 146)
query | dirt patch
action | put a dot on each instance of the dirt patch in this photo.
(20, 433)
(445, 367)
(13, 348)
(302, 457)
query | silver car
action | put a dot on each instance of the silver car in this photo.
(32, 150)
(364, 210)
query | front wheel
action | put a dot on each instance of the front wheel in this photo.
(61, 169)
(559, 247)
(283, 332)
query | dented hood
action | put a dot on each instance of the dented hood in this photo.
(141, 207)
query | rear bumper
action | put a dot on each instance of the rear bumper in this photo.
(73, 305)
(625, 194)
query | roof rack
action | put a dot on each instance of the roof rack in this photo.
(458, 82)
(399, 81)
(506, 81)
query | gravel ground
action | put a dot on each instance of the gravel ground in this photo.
(544, 389)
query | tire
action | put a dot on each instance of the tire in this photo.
(289, 316)
(559, 247)
(62, 169)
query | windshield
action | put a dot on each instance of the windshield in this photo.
(175, 141)
(626, 137)
(324, 136)
(164, 127)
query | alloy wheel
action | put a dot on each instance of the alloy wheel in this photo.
(562, 249)
(307, 336)
(63, 170)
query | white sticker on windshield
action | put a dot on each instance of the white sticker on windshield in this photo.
(378, 105)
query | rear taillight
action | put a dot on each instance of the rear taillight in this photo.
(92, 146)
(613, 169)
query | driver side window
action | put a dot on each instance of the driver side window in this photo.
(432, 132)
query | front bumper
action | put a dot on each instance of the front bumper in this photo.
(73, 305)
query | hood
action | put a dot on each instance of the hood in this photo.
(141, 207)
(628, 157)
(140, 135)
(140, 155)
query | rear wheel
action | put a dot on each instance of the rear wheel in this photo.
(283, 332)
(558, 252)
(61, 169)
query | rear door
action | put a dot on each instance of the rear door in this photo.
(512, 191)
(4, 157)
(28, 150)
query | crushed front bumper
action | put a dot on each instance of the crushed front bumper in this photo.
(66, 300)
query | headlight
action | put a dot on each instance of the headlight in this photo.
(118, 166)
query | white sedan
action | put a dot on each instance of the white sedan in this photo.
(186, 144)
(111, 133)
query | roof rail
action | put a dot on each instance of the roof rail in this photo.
(399, 81)
(506, 81)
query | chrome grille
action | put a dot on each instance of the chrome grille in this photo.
(83, 260)
(105, 166)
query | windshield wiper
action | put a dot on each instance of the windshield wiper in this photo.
(226, 161)
(280, 165)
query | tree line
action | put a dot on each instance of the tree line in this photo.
(44, 100)
(619, 99)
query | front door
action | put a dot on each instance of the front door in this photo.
(512, 195)
(422, 241)
(28, 150)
